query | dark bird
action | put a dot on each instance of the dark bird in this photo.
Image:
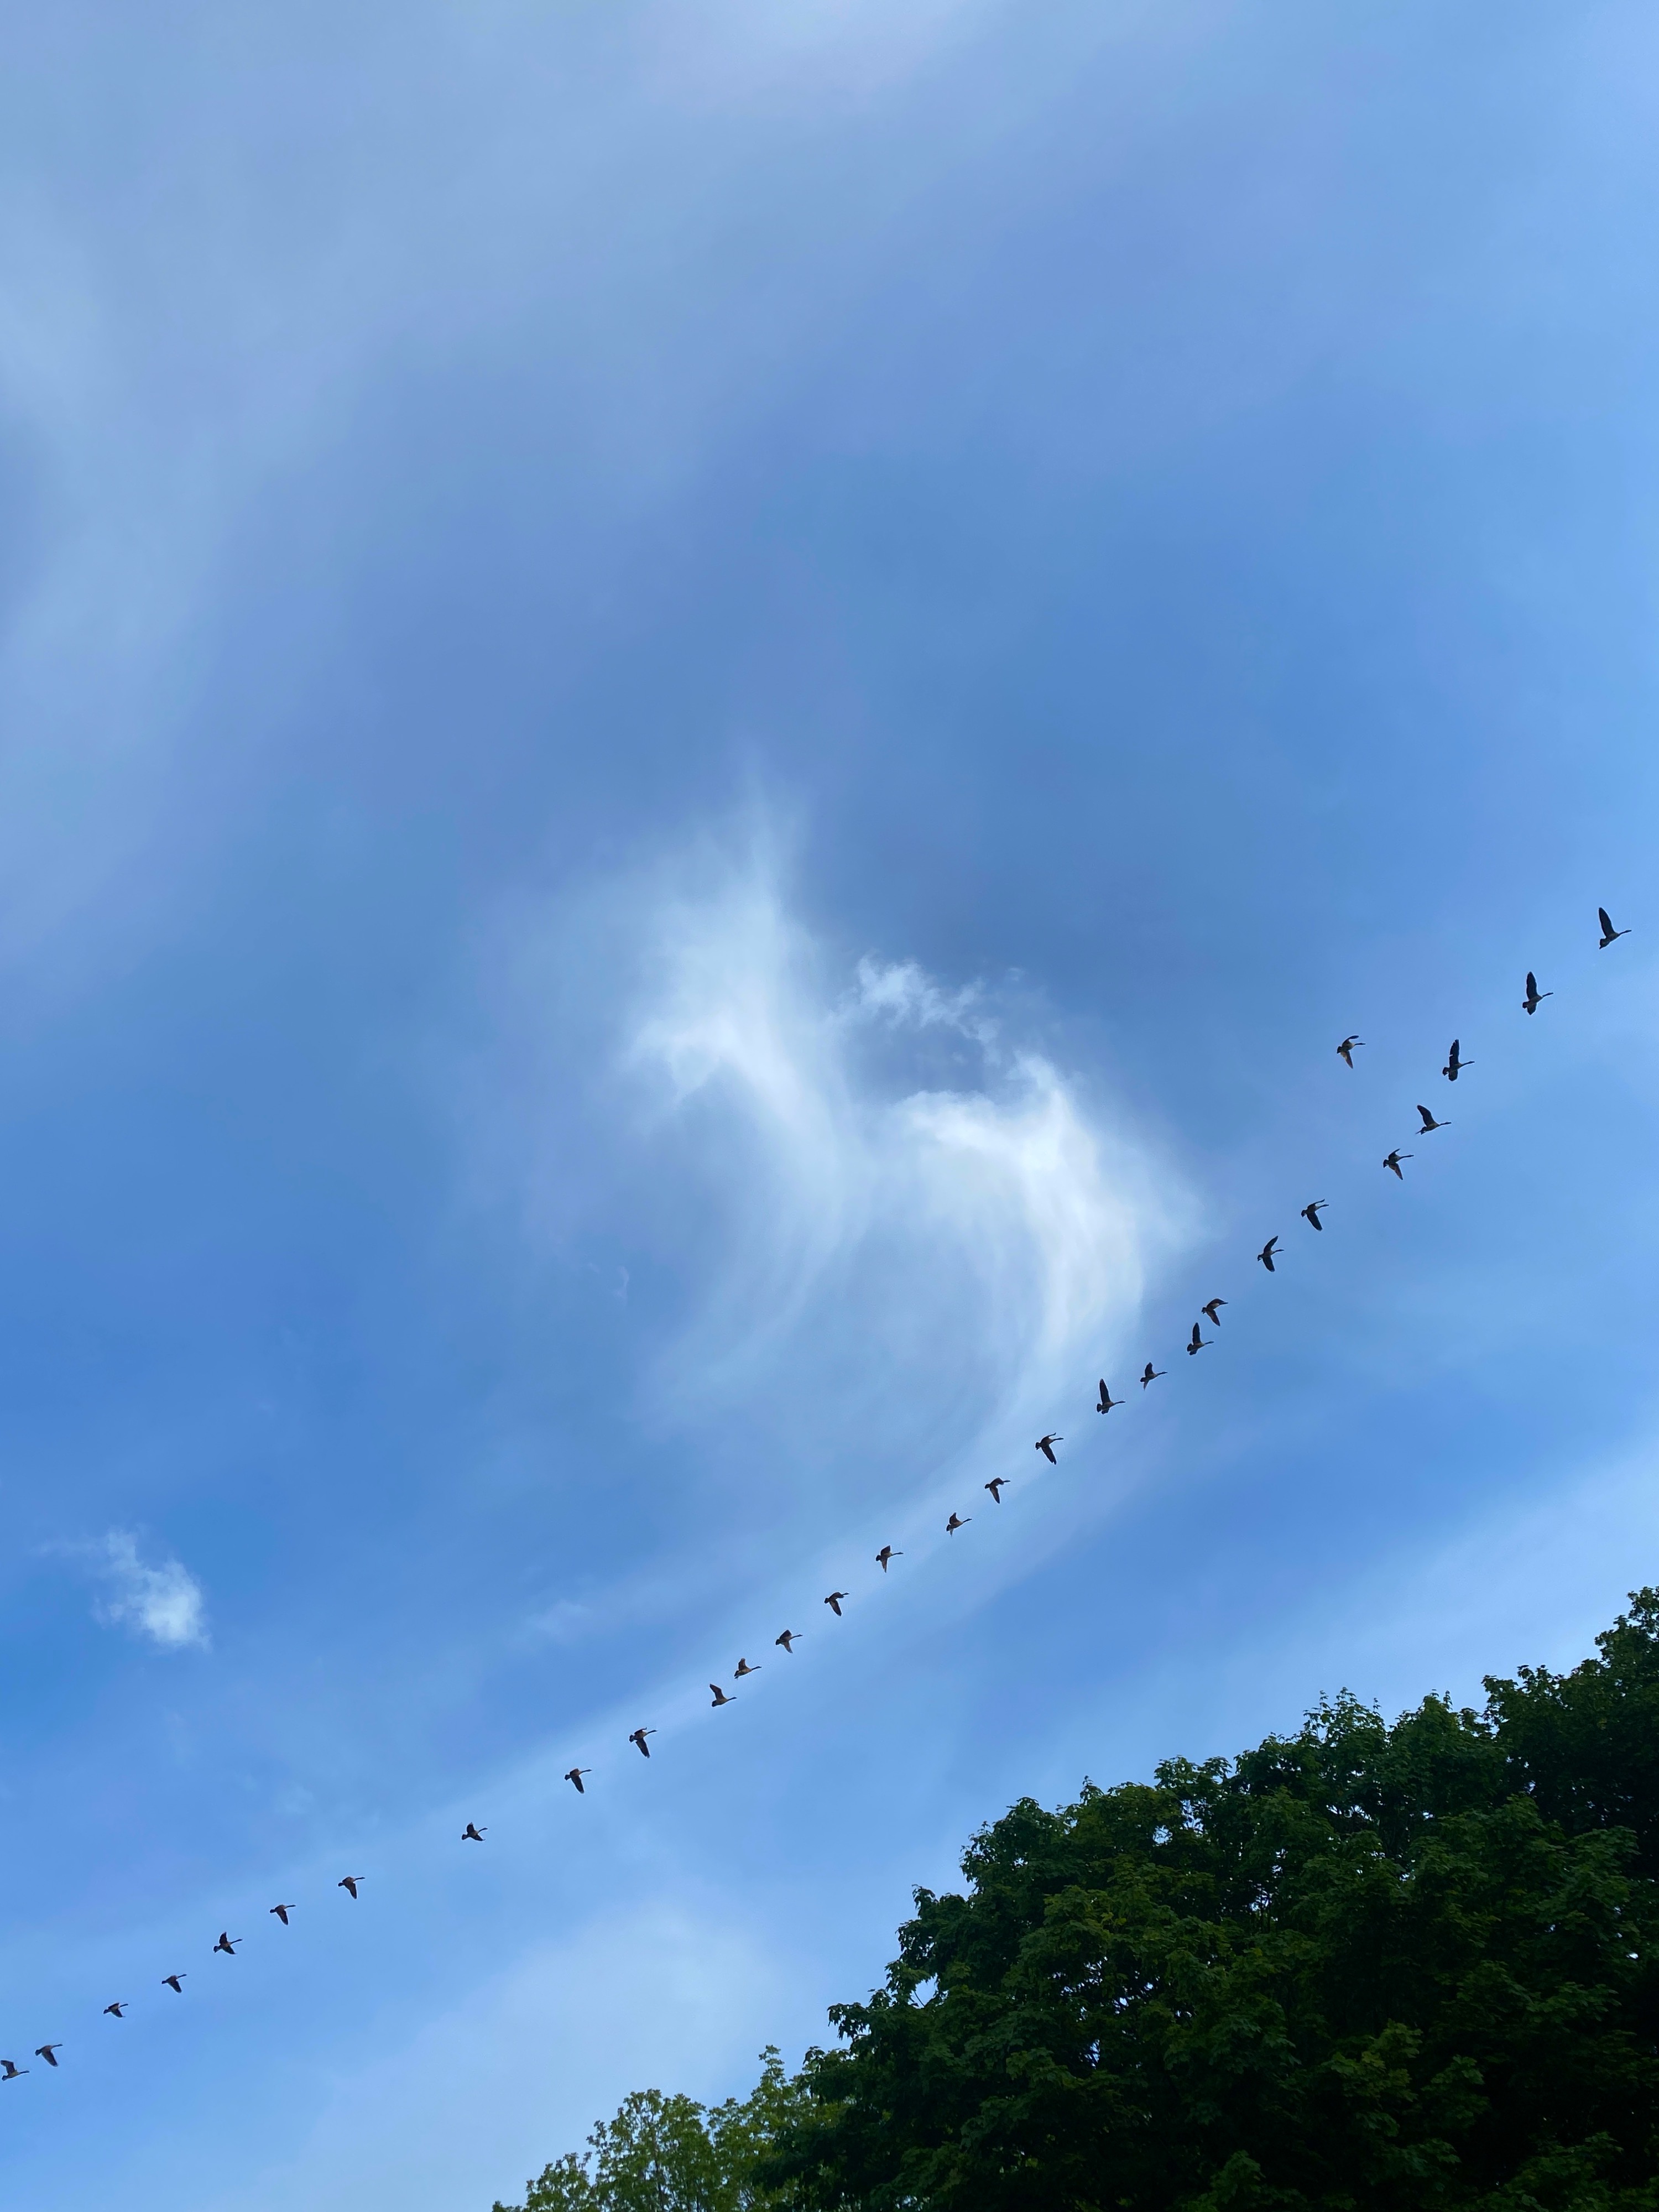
(996, 1486)
(1212, 1309)
(1046, 1446)
(1534, 996)
(957, 1521)
(1608, 933)
(886, 1554)
(119, 2010)
(1197, 1342)
(12, 2073)
(1266, 1254)
(45, 2050)
(1393, 1159)
(1429, 1124)
(349, 1884)
(226, 1945)
(472, 1833)
(834, 1602)
(1312, 1213)
(789, 1638)
(742, 1668)
(281, 1913)
(636, 1737)
(574, 1775)
(1345, 1050)
(1149, 1374)
(175, 1983)
(1106, 1401)
(722, 1698)
(1454, 1067)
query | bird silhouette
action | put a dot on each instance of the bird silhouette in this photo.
(227, 1945)
(1312, 1213)
(46, 2050)
(12, 2073)
(721, 1697)
(1149, 1374)
(1106, 1401)
(1046, 1446)
(472, 1833)
(742, 1668)
(834, 1602)
(789, 1638)
(1454, 1067)
(1266, 1254)
(636, 1737)
(574, 1776)
(175, 1983)
(1393, 1159)
(1429, 1124)
(1534, 996)
(1345, 1050)
(281, 1913)
(1608, 933)
(349, 1884)
(886, 1554)
(957, 1521)
(1211, 1309)
(1197, 1343)
(996, 1487)
(119, 2010)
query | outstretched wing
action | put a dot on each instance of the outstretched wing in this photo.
(1606, 920)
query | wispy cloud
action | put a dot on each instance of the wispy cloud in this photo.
(162, 1602)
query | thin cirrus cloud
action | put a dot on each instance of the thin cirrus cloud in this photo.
(162, 1603)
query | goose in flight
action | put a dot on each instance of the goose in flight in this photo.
(742, 1668)
(350, 1882)
(119, 2010)
(1608, 933)
(281, 1913)
(1454, 1067)
(996, 1486)
(1212, 1309)
(1046, 1446)
(789, 1638)
(1266, 1254)
(1197, 1343)
(721, 1697)
(1344, 1051)
(175, 1983)
(574, 1776)
(834, 1602)
(227, 1945)
(1429, 1124)
(46, 2050)
(886, 1554)
(1393, 1159)
(13, 2073)
(636, 1737)
(1106, 1401)
(1534, 996)
(1149, 1373)
(472, 1833)
(957, 1521)
(1310, 1213)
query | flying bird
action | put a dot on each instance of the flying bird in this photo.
(789, 1638)
(886, 1554)
(1266, 1254)
(1608, 933)
(721, 1697)
(226, 1945)
(1534, 996)
(996, 1486)
(1429, 1124)
(1393, 1159)
(281, 1913)
(175, 1983)
(1106, 1401)
(472, 1833)
(1212, 1308)
(12, 2073)
(1312, 1213)
(1454, 1067)
(119, 2010)
(1345, 1050)
(834, 1602)
(349, 1884)
(45, 2050)
(574, 1775)
(957, 1521)
(1197, 1343)
(1046, 1446)
(1149, 1374)
(742, 1668)
(636, 1737)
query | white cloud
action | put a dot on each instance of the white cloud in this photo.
(162, 1602)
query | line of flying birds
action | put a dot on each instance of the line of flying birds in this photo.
(227, 1944)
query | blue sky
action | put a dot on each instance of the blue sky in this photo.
(709, 713)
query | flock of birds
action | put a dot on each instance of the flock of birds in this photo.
(229, 1945)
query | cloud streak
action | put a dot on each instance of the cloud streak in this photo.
(162, 1603)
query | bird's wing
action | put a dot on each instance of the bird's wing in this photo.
(1606, 920)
